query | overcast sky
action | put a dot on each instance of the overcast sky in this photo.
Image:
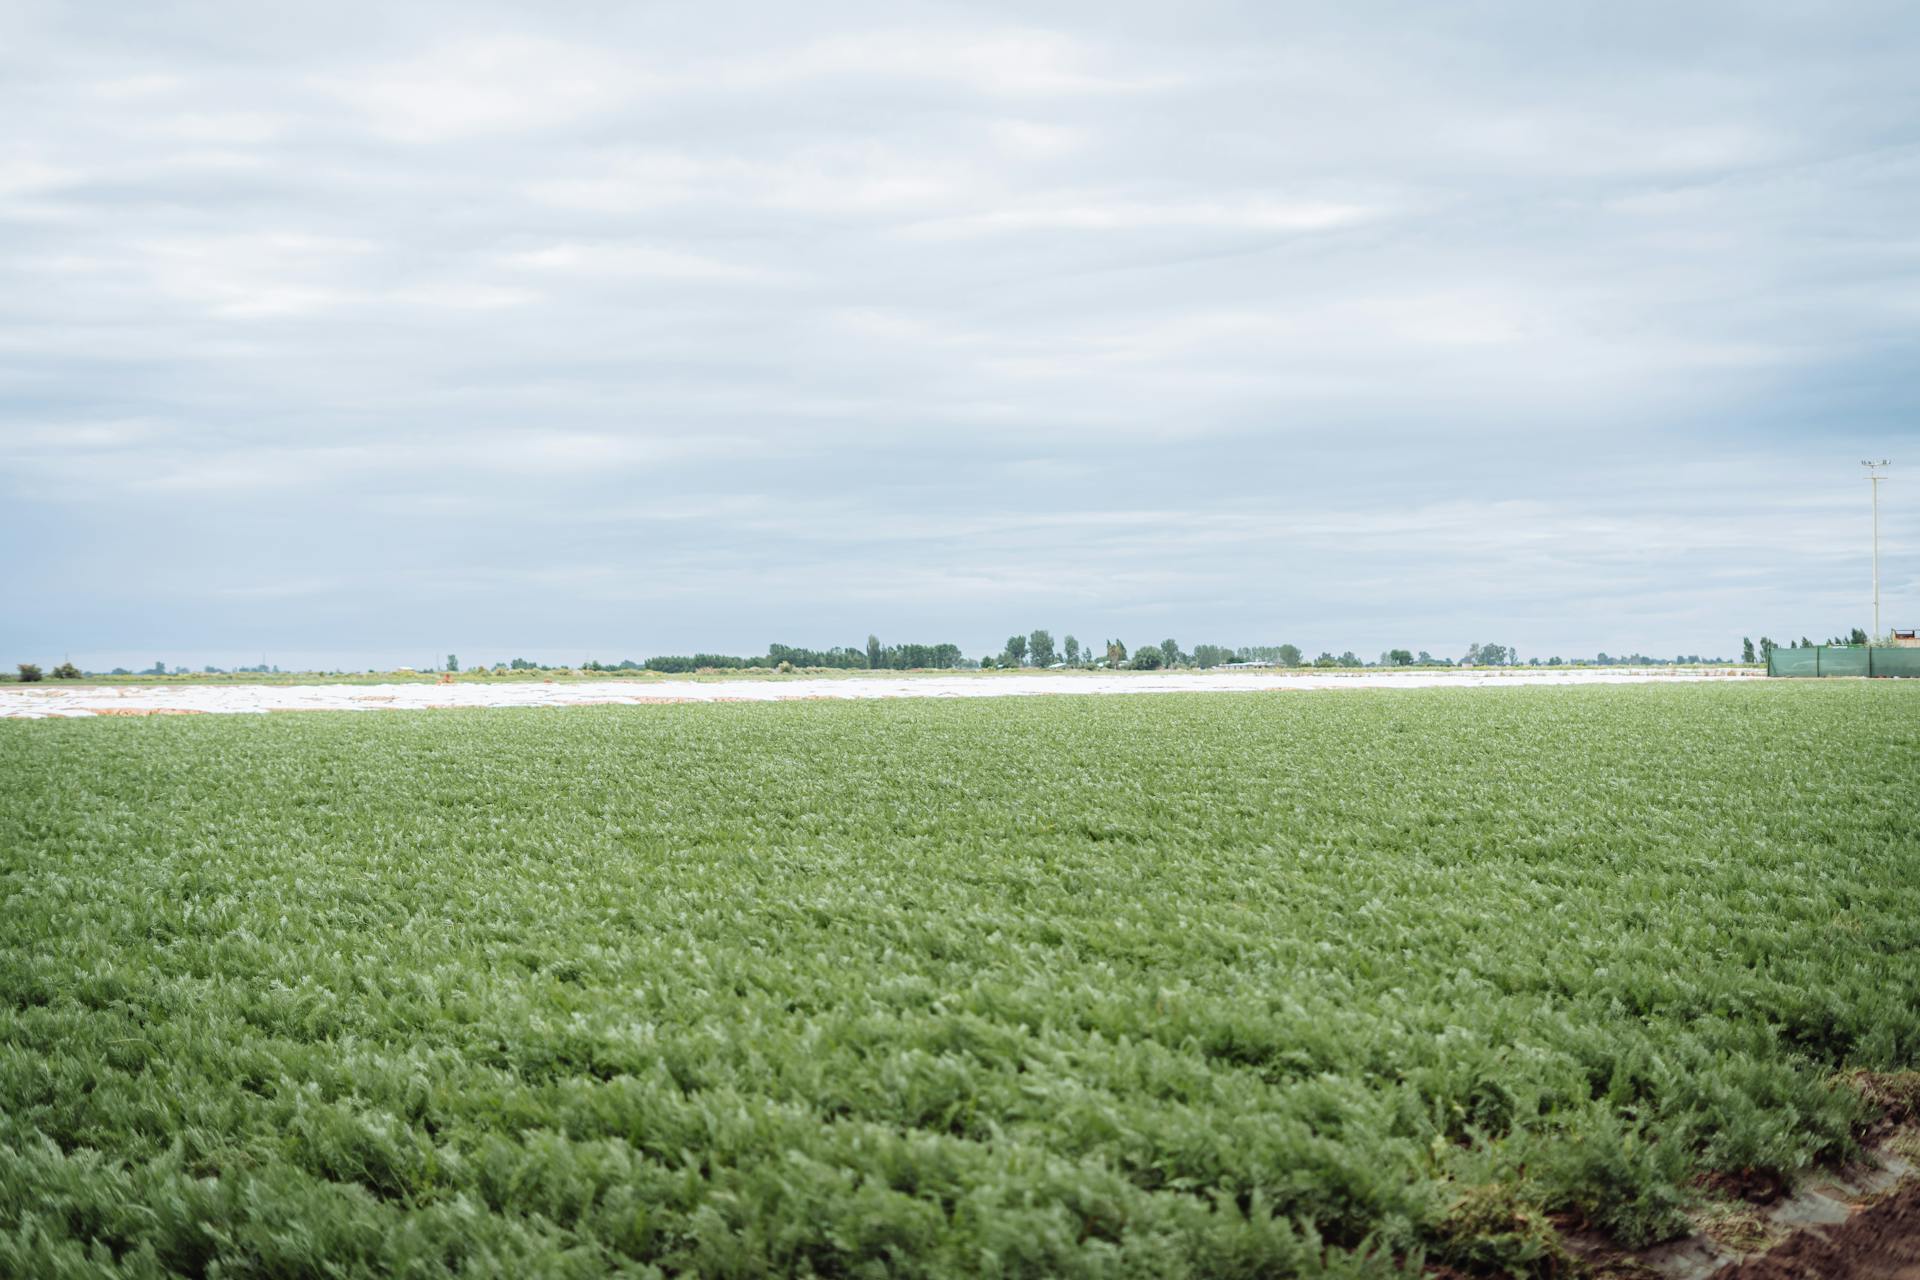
(350, 334)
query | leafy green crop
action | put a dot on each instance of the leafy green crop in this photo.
(1209, 985)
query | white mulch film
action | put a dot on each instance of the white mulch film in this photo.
(52, 699)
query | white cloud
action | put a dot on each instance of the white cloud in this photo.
(844, 179)
(483, 86)
(245, 275)
(638, 260)
(1037, 138)
(1011, 63)
(1213, 315)
(1097, 214)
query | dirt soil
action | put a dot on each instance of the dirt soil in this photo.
(1880, 1242)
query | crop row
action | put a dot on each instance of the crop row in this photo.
(1176, 985)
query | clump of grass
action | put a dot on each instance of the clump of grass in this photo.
(1736, 1227)
(1493, 1229)
(1892, 1097)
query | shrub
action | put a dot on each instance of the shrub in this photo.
(29, 673)
(66, 671)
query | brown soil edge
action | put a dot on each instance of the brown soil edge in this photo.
(1854, 1221)
(1860, 1221)
(1879, 1242)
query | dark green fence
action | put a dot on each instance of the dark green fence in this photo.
(1843, 660)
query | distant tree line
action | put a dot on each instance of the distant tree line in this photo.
(1035, 649)
(30, 672)
(872, 656)
(674, 663)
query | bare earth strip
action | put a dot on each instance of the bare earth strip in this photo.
(46, 700)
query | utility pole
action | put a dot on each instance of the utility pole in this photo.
(1874, 477)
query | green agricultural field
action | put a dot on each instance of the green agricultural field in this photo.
(1182, 985)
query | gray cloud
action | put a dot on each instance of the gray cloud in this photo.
(369, 334)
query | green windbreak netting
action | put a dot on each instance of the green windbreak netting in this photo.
(1792, 662)
(1896, 662)
(1844, 660)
